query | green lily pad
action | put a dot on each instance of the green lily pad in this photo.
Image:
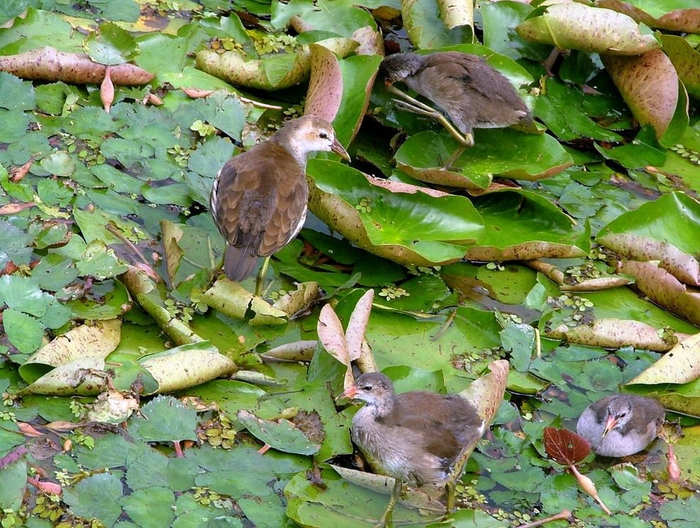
(665, 230)
(96, 496)
(279, 434)
(408, 226)
(164, 419)
(111, 45)
(501, 151)
(522, 225)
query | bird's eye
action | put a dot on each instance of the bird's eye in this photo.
(367, 388)
(323, 135)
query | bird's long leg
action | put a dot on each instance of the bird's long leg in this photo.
(385, 520)
(413, 105)
(450, 489)
(260, 277)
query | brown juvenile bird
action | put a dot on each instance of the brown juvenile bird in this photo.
(415, 436)
(259, 199)
(620, 425)
(464, 86)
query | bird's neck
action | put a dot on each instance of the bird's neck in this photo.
(380, 409)
(295, 148)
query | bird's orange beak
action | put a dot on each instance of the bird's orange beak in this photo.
(609, 425)
(349, 393)
(340, 150)
(387, 82)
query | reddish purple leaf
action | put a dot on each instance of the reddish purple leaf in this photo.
(565, 447)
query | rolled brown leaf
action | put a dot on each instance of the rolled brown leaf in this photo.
(49, 64)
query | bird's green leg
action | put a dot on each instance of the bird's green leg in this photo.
(385, 519)
(455, 155)
(450, 489)
(411, 104)
(260, 277)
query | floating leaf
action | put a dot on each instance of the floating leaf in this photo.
(613, 333)
(48, 64)
(565, 447)
(386, 223)
(279, 434)
(164, 419)
(111, 45)
(667, 230)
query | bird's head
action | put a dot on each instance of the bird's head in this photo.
(619, 413)
(309, 134)
(397, 67)
(374, 388)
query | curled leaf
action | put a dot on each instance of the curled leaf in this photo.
(325, 91)
(330, 332)
(577, 26)
(357, 325)
(614, 333)
(679, 366)
(48, 64)
(649, 85)
(664, 289)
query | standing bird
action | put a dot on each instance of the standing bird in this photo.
(259, 199)
(620, 425)
(415, 436)
(464, 86)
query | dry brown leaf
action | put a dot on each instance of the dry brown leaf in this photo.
(649, 85)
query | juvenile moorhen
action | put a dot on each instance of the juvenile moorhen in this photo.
(620, 425)
(464, 86)
(259, 199)
(415, 436)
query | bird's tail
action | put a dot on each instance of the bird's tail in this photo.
(239, 263)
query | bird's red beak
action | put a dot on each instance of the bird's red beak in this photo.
(340, 150)
(349, 393)
(610, 424)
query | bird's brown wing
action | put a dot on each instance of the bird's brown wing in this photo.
(446, 423)
(482, 78)
(261, 195)
(470, 91)
(288, 217)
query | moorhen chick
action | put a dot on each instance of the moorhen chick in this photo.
(415, 436)
(259, 199)
(464, 86)
(620, 425)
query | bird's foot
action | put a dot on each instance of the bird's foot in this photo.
(413, 105)
(448, 165)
